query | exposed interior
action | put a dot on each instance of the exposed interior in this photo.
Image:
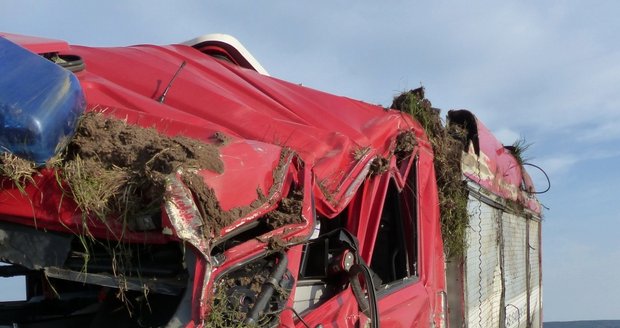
(86, 282)
(395, 250)
(254, 293)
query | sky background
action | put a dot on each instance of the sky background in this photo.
(547, 71)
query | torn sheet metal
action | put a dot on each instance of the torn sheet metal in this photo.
(183, 215)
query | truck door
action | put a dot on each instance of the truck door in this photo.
(399, 238)
(394, 253)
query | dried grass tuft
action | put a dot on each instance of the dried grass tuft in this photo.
(17, 170)
(95, 190)
(518, 150)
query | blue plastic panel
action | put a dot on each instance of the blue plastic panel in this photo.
(40, 103)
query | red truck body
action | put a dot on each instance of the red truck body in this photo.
(282, 138)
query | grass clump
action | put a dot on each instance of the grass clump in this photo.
(223, 314)
(18, 170)
(379, 165)
(405, 144)
(95, 189)
(447, 148)
(518, 150)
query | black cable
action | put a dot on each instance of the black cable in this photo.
(165, 93)
(369, 307)
(372, 297)
(298, 316)
(546, 176)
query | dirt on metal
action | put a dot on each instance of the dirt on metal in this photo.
(405, 144)
(448, 143)
(379, 165)
(113, 167)
(288, 211)
(214, 216)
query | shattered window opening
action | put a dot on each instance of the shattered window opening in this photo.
(395, 252)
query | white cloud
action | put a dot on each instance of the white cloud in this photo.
(556, 165)
(604, 131)
(506, 136)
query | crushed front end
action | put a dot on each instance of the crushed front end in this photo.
(116, 217)
(207, 256)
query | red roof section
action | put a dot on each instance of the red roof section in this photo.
(36, 44)
(325, 130)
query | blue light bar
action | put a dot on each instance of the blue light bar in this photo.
(40, 103)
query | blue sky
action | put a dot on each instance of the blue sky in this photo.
(546, 71)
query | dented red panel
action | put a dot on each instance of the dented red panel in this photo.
(496, 169)
(323, 129)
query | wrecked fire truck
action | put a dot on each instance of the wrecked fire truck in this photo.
(182, 186)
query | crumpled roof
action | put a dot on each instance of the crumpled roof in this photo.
(325, 130)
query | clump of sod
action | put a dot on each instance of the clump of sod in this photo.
(117, 169)
(447, 146)
(115, 172)
(405, 144)
(18, 170)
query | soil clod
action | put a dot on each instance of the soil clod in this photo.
(288, 211)
(114, 168)
(379, 166)
(405, 144)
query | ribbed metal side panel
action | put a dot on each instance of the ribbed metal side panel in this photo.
(483, 280)
(535, 288)
(514, 234)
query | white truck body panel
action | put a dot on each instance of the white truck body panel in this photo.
(497, 283)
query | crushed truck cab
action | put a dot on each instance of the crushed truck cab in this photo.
(182, 186)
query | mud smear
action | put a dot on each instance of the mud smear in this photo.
(221, 138)
(122, 167)
(215, 218)
(405, 144)
(251, 276)
(379, 165)
(288, 211)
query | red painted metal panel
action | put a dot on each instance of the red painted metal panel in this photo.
(503, 176)
(37, 44)
(323, 129)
